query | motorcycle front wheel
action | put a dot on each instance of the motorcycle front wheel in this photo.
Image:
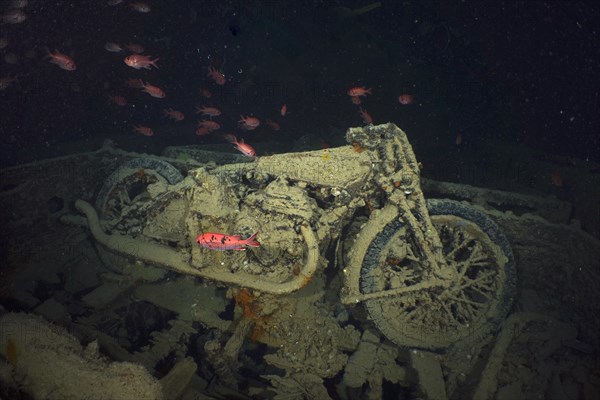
(469, 308)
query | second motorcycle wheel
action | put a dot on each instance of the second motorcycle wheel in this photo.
(469, 308)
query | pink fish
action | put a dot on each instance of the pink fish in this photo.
(118, 100)
(139, 61)
(359, 91)
(153, 91)
(405, 99)
(209, 124)
(244, 148)
(221, 242)
(217, 76)
(174, 114)
(210, 111)
(63, 61)
(144, 130)
(248, 123)
(366, 116)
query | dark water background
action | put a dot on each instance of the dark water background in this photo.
(511, 79)
(524, 72)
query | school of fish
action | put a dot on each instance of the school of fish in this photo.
(132, 57)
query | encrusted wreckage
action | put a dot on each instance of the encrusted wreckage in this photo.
(359, 280)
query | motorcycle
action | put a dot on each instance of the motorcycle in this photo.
(431, 273)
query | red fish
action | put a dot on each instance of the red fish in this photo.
(366, 117)
(118, 100)
(359, 91)
(153, 91)
(244, 148)
(406, 99)
(355, 100)
(248, 123)
(221, 242)
(144, 130)
(273, 125)
(208, 124)
(63, 61)
(139, 61)
(283, 110)
(210, 111)
(217, 76)
(174, 114)
(205, 93)
(202, 130)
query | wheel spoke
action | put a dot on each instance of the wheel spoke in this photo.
(461, 246)
(477, 280)
(464, 300)
(477, 285)
(482, 293)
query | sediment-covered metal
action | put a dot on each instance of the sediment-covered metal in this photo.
(179, 261)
